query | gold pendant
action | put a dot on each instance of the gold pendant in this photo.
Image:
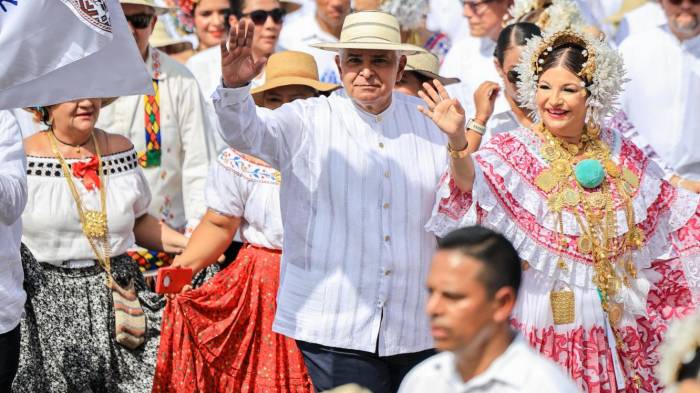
(570, 197)
(636, 237)
(554, 203)
(550, 153)
(563, 306)
(546, 180)
(596, 200)
(630, 178)
(95, 225)
(561, 168)
(585, 244)
(614, 313)
(611, 168)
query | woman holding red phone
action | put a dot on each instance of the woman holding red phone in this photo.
(218, 337)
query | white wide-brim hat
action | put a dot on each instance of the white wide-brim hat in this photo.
(160, 10)
(428, 65)
(369, 30)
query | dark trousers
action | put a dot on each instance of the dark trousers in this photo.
(9, 358)
(331, 367)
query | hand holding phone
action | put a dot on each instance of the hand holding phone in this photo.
(173, 279)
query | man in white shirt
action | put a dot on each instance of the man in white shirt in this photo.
(168, 130)
(648, 16)
(359, 172)
(661, 99)
(323, 25)
(206, 65)
(471, 58)
(13, 189)
(472, 289)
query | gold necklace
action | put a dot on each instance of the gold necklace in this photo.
(94, 223)
(594, 212)
(77, 146)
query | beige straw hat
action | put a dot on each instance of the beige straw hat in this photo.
(428, 65)
(291, 68)
(290, 5)
(369, 30)
(161, 37)
(160, 10)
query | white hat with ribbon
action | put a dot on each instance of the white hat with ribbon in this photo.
(369, 30)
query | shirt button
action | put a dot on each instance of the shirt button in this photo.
(386, 205)
(381, 145)
(380, 303)
(387, 272)
(387, 174)
(387, 238)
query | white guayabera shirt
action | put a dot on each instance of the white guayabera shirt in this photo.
(357, 190)
(664, 75)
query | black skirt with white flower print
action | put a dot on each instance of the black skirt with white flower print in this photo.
(68, 339)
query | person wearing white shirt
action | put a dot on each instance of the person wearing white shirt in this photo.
(648, 16)
(13, 188)
(471, 58)
(206, 65)
(354, 204)
(168, 131)
(472, 290)
(323, 25)
(663, 68)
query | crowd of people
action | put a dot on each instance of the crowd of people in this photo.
(373, 196)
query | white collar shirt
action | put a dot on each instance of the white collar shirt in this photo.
(664, 75)
(518, 370)
(13, 188)
(470, 60)
(356, 192)
(646, 17)
(303, 31)
(177, 184)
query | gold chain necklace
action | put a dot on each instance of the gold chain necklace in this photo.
(597, 221)
(94, 223)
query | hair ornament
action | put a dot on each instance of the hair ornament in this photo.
(410, 13)
(602, 73)
(556, 15)
(185, 14)
(680, 347)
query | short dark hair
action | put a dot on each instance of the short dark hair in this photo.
(514, 35)
(569, 56)
(499, 259)
(235, 8)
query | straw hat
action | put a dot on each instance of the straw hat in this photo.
(291, 68)
(290, 5)
(428, 65)
(369, 30)
(160, 10)
(161, 37)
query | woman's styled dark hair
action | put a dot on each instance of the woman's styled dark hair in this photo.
(569, 56)
(500, 261)
(514, 35)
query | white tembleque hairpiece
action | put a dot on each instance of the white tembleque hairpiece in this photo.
(603, 72)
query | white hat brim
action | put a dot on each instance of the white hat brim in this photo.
(405, 49)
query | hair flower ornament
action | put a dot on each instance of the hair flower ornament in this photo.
(554, 15)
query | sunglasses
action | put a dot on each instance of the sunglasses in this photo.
(513, 76)
(477, 7)
(139, 21)
(259, 17)
(679, 2)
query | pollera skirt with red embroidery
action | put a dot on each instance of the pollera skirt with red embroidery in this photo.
(219, 338)
(586, 349)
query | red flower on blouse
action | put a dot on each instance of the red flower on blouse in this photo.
(87, 171)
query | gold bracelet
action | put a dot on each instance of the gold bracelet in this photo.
(457, 154)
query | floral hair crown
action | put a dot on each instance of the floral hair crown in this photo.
(185, 14)
(557, 15)
(410, 13)
(602, 73)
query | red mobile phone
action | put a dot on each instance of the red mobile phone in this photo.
(172, 279)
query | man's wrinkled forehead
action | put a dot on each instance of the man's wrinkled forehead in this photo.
(371, 53)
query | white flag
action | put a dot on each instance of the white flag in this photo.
(60, 50)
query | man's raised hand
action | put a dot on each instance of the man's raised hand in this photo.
(447, 113)
(237, 65)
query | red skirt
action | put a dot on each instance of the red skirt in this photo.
(219, 338)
